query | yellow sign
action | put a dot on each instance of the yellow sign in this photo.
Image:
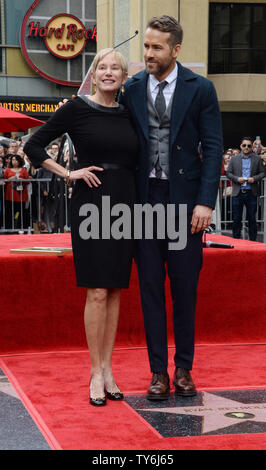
(30, 108)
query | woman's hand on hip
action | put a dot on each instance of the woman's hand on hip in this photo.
(87, 175)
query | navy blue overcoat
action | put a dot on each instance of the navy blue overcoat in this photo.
(195, 119)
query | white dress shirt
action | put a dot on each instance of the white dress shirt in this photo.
(167, 92)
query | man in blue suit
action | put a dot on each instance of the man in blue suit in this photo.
(173, 110)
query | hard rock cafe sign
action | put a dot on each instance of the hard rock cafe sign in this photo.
(64, 35)
(60, 48)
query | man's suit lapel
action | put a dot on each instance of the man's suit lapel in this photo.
(186, 87)
(138, 96)
(185, 90)
(239, 170)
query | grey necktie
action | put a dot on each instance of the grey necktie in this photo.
(159, 103)
(160, 106)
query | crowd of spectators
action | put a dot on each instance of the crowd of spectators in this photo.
(20, 203)
(226, 193)
(258, 149)
(24, 202)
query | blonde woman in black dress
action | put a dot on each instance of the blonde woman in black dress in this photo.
(106, 146)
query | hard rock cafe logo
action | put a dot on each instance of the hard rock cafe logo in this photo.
(60, 47)
(64, 35)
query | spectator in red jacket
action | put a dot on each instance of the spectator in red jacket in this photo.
(16, 193)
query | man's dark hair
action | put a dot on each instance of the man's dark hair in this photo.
(168, 24)
(246, 138)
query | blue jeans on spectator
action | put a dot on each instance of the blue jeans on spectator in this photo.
(247, 199)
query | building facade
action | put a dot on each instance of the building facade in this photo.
(223, 40)
(46, 49)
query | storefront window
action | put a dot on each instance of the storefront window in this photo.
(64, 59)
(237, 39)
(58, 39)
(1, 50)
(14, 14)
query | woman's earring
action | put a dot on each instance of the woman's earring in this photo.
(122, 89)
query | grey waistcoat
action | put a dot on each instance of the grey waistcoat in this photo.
(159, 134)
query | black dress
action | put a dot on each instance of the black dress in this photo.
(101, 135)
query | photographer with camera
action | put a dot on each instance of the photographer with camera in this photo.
(245, 170)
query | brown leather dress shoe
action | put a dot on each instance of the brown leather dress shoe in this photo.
(160, 387)
(183, 383)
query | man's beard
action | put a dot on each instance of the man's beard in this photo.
(158, 69)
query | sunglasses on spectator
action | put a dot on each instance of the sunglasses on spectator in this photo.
(247, 145)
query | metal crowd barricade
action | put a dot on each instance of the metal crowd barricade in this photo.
(263, 204)
(38, 213)
(224, 215)
(53, 211)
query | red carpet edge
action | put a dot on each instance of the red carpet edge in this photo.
(31, 409)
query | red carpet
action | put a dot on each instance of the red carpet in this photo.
(43, 348)
(42, 308)
(54, 388)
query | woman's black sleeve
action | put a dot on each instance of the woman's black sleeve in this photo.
(57, 125)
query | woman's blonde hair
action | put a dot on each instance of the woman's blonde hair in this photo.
(101, 54)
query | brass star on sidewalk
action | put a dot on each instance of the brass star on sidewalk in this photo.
(218, 412)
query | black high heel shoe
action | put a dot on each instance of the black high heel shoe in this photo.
(99, 401)
(115, 396)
